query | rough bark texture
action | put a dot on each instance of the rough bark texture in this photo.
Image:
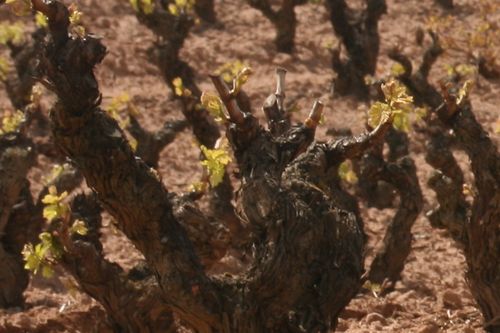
(16, 158)
(283, 19)
(476, 227)
(19, 83)
(482, 225)
(172, 32)
(132, 304)
(389, 261)
(308, 247)
(358, 32)
(377, 182)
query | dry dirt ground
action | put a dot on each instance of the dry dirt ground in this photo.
(432, 295)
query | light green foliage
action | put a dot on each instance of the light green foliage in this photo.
(79, 227)
(75, 18)
(41, 20)
(496, 126)
(236, 73)
(397, 69)
(214, 106)
(11, 32)
(54, 205)
(11, 122)
(346, 172)
(179, 88)
(178, 7)
(240, 79)
(215, 163)
(145, 6)
(229, 70)
(462, 70)
(375, 288)
(473, 39)
(56, 171)
(397, 104)
(121, 108)
(41, 257)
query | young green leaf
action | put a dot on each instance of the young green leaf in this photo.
(179, 88)
(214, 106)
(346, 172)
(240, 79)
(41, 20)
(79, 227)
(145, 6)
(54, 207)
(397, 105)
(215, 163)
(229, 70)
(11, 33)
(11, 122)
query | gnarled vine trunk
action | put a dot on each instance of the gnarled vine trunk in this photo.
(308, 249)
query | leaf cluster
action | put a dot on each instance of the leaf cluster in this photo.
(42, 257)
(11, 33)
(179, 88)
(12, 122)
(121, 108)
(55, 207)
(215, 163)
(229, 70)
(179, 7)
(397, 104)
(144, 6)
(346, 172)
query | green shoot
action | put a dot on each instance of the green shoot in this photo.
(179, 88)
(11, 33)
(120, 109)
(397, 105)
(41, 20)
(75, 20)
(54, 205)
(56, 171)
(145, 6)
(461, 70)
(375, 288)
(41, 257)
(346, 172)
(397, 69)
(12, 122)
(229, 70)
(215, 163)
(79, 227)
(214, 106)
(179, 7)
(240, 79)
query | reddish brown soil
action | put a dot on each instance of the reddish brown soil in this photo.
(432, 295)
